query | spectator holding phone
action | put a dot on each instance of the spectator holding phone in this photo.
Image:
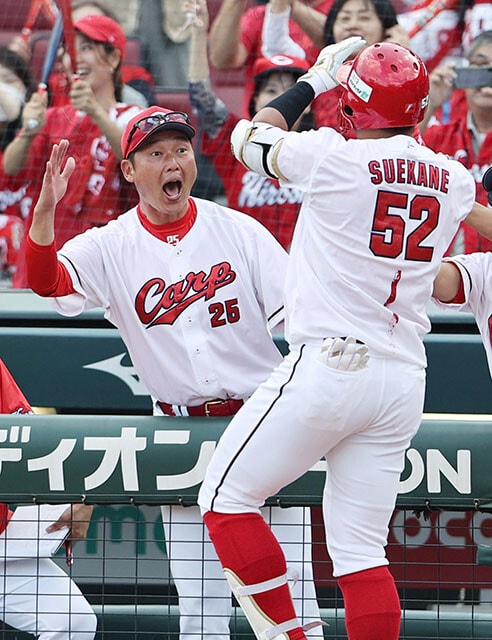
(468, 135)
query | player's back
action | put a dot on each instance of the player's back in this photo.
(369, 240)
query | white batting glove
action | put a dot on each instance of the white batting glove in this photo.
(322, 75)
(344, 354)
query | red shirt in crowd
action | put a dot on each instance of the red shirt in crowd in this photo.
(455, 140)
(262, 198)
(97, 191)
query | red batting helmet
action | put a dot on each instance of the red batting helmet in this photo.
(386, 86)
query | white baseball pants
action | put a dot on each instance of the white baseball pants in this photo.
(361, 422)
(38, 597)
(205, 603)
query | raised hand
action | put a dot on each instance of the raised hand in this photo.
(56, 176)
(322, 75)
(55, 182)
(82, 97)
(192, 10)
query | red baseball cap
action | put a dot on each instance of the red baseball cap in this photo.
(263, 67)
(102, 29)
(150, 121)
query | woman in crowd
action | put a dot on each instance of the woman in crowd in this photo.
(93, 122)
(262, 198)
(15, 88)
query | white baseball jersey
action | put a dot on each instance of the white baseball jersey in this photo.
(202, 309)
(476, 273)
(407, 200)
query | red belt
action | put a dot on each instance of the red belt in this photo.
(214, 408)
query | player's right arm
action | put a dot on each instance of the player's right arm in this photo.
(54, 187)
(256, 143)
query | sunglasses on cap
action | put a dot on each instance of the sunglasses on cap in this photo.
(146, 125)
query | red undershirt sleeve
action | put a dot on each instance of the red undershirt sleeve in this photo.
(46, 275)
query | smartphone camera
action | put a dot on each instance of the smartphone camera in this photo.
(473, 77)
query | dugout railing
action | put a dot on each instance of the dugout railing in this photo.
(105, 447)
(139, 461)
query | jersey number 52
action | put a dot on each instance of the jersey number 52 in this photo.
(388, 234)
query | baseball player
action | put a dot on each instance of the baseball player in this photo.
(377, 216)
(194, 289)
(463, 284)
(37, 596)
(93, 122)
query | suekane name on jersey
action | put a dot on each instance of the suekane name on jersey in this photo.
(405, 171)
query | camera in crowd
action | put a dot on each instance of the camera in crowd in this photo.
(473, 77)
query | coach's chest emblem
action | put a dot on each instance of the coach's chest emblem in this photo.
(160, 303)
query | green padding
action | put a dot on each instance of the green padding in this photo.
(158, 460)
(484, 555)
(78, 369)
(154, 622)
(163, 622)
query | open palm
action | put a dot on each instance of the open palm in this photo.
(56, 176)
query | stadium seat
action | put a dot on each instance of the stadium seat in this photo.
(134, 51)
(7, 35)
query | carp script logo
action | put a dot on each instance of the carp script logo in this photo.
(161, 303)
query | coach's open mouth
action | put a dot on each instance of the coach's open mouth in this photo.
(173, 189)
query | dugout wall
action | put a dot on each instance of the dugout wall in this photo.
(105, 448)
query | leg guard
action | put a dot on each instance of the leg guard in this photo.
(255, 568)
(262, 625)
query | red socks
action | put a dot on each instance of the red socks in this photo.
(246, 545)
(372, 605)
